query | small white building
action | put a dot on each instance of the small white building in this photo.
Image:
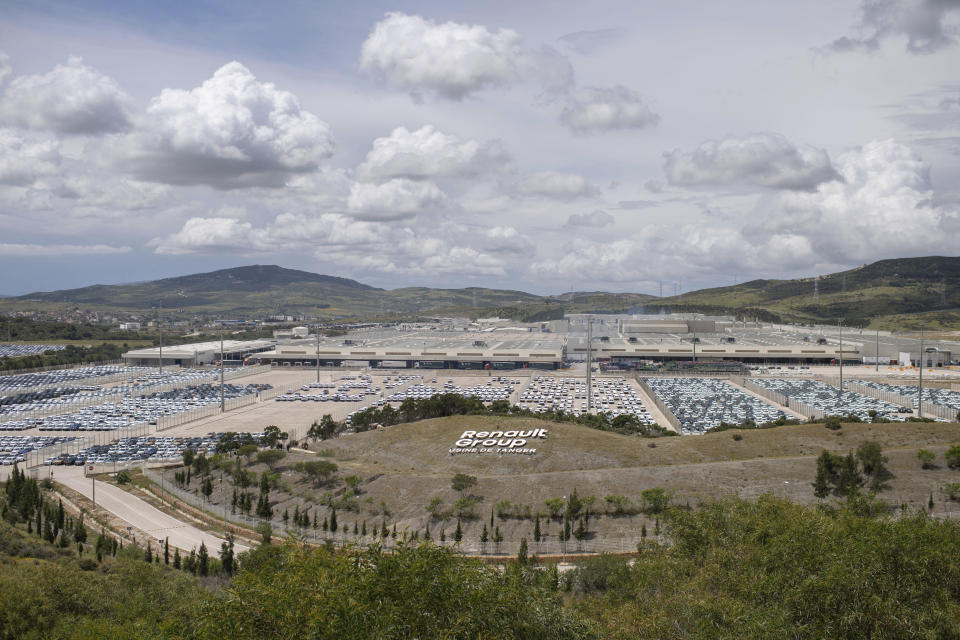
(129, 326)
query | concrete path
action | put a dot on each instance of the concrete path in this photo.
(141, 515)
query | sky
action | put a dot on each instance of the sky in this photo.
(636, 146)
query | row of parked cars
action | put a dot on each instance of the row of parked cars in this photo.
(14, 449)
(150, 408)
(615, 396)
(20, 350)
(142, 449)
(831, 400)
(701, 404)
(12, 384)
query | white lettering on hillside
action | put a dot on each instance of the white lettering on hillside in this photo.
(512, 441)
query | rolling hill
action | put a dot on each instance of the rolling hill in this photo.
(910, 289)
(894, 294)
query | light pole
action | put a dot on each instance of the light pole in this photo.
(160, 325)
(920, 388)
(876, 363)
(318, 354)
(840, 391)
(222, 401)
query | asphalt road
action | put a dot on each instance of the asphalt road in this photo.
(142, 515)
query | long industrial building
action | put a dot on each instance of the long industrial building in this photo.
(625, 342)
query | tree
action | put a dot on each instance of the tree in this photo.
(536, 529)
(458, 533)
(497, 538)
(265, 531)
(522, 558)
(188, 455)
(270, 457)
(952, 456)
(927, 459)
(871, 457)
(484, 536)
(203, 560)
(226, 555)
(319, 471)
(176, 559)
(247, 451)
(166, 551)
(655, 500)
(461, 482)
(333, 520)
(435, 507)
(353, 483)
(271, 435)
(555, 505)
(207, 487)
(849, 480)
(821, 483)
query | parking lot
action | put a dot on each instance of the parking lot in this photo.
(701, 404)
(942, 397)
(616, 396)
(58, 377)
(15, 448)
(20, 350)
(828, 399)
(155, 449)
(110, 416)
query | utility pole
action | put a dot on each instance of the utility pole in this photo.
(223, 407)
(160, 324)
(920, 389)
(589, 363)
(694, 347)
(318, 354)
(840, 392)
(876, 363)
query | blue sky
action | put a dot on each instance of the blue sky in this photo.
(542, 146)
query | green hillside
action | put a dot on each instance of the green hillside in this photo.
(904, 288)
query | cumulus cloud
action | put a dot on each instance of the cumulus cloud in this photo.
(464, 261)
(761, 159)
(504, 239)
(926, 24)
(25, 160)
(9, 250)
(595, 219)
(426, 153)
(232, 131)
(208, 235)
(596, 110)
(394, 199)
(451, 59)
(553, 184)
(72, 99)
(883, 207)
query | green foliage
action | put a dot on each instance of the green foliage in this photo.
(772, 569)
(418, 592)
(655, 500)
(317, 470)
(952, 456)
(927, 458)
(461, 482)
(952, 491)
(270, 457)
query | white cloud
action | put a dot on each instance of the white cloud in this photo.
(25, 159)
(232, 131)
(595, 219)
(464, 261)
(208, 235)
(451, 59)
(590, 42)
(504, 239)
(926, 25)
(883, 207)
(427, 153)
(761, 159)
(72, 99)
(454, 60)
(597, 110)
(554, 184)
(8, 250)
(394, 199)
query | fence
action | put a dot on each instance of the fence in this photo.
(672, 419)
(551, 545)
(786, 401)
(37, 458)
(54, 367)
(880, 394)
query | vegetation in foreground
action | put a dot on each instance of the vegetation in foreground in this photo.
(730, 568)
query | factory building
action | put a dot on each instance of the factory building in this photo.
(235, 352)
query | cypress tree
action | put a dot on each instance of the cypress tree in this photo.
(536, 529)
(176, 559)
(166, 551)
(458, 533)
(333, 520)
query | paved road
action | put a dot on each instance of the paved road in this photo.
(142, 515)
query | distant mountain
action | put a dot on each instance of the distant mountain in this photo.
(260, 289)
(904, 286)
(902, 291)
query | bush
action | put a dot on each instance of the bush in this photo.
(952, 456)
(927, 458)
